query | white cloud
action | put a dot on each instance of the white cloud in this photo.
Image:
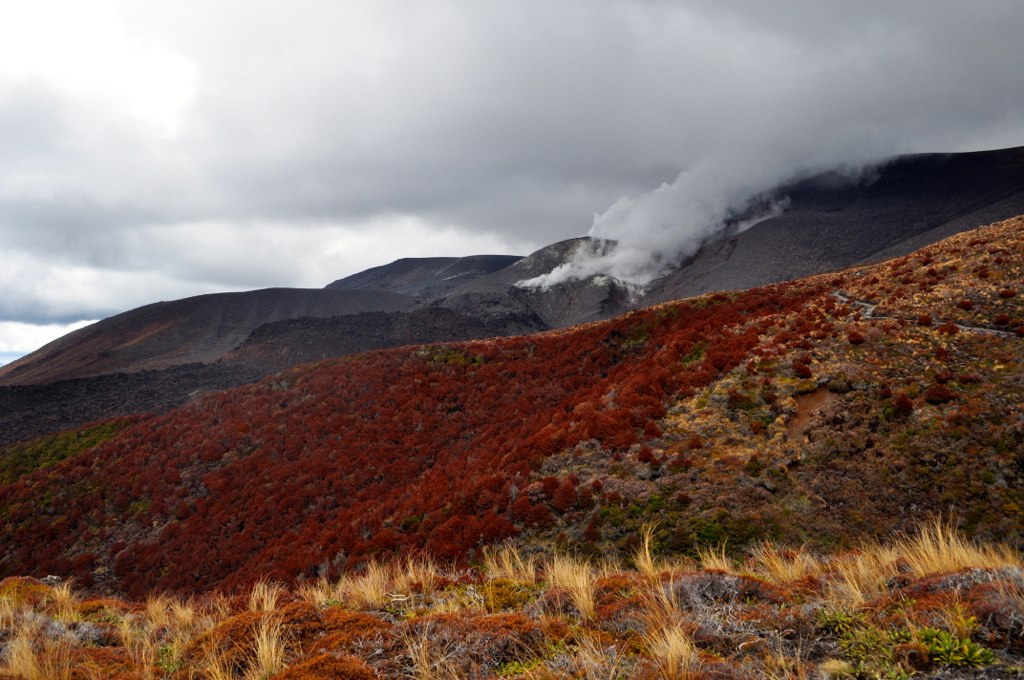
(156, 150)
(18, 338)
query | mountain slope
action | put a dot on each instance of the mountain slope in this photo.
(198, 329)
(424, 277)
(831, 222)
(824, 410)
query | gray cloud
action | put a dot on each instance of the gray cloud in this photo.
(441, 127)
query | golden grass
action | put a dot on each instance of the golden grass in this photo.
(161, 637)
(8, 612)
(64, 601)
(320, 592)
(138, 639)
(835, 668)
(507, 562)
(858, 577)
(264, 596)
(643, 556)
(939, 548)
(777, 566)
(674, 655)
(30, 658)
(416, 574)
(215, 665)
(714, 559)
(267, 653)
(427, 660)
(577, 577)
(368, 590)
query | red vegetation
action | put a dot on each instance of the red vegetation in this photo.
(903, 405)
(326, 465)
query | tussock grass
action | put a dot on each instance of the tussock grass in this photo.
(320, 592)
(674, 655)
(649, 566)
(30, 656)
(267, 652)
(264, 596)
(861, 576)
(836, 668)
(164, 636)
(368, 590)
(215, 665)
(8, 612)
(138, 639)
(64, 601)
(416, 574)
(578, 578)
(939, 548)
(507, 562)
(714, 559)
(788, 566)
(428, 660)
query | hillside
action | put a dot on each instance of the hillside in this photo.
(825, 410)
(193, 330)
(170, 351)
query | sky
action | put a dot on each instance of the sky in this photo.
(151, 151)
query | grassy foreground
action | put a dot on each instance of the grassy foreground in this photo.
(927, 604)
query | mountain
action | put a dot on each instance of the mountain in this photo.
(194, 330)
(425, 277)
(825, 411)
(169, 352)
(833, 221)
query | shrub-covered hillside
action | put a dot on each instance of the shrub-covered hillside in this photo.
(824, 411)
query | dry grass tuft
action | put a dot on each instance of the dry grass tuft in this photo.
(427, 660)
(368, 590)
(264, 596)
(267, 654)
(419, 574)
(714, 559)
(64, 601)
(137, 638)
(674, 655)
(577, 577)
(643, 556)
(939, 548)
(788, 566)
(836, 668)
(320, 592)
(506, 562)
(31, 657)
(215, 665)
(862, 576)
(8, 612)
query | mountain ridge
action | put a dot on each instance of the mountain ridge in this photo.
(764, 414)
(831, 222)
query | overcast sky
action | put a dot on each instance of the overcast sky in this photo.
(152, 151)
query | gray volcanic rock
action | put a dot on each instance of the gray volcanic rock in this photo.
(425, 277)
(566, 304)
(197, 329)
